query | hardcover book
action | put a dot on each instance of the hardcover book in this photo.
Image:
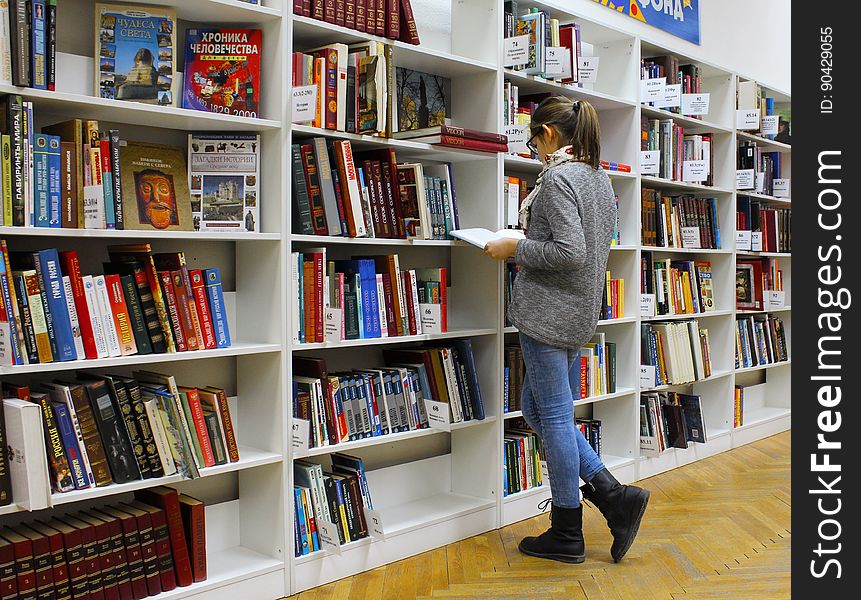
(155, 187)
(222, 71)
(423, 99)
(224, 181)
(134, 49)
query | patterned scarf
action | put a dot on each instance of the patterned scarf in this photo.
(562, 155)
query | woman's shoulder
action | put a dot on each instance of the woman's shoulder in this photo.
(577, 174)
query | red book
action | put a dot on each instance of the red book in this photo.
(393, 19)
(382, 202)
(186, 319)
(149, 552)
(106, 559)
(194, 519)
(42, 562)
(391, 192)
(315, 196)
(89, 549)
(461, 132)
(306, 8)
(411, 316)
(371, 16)
(118, 553)
(318, 294)
(329, 11)
(198, 291)
(361, 15)
(584, 371)
(297, 7)
(308, 296)
(389, 304)
(24, 566)
(381, 17)
(59, 566)
(120, 311)
(199, 424)
(340, 13)
(172, 310)
(132, 548)
(409, 31)
(317, 10)
(168, 500)
(227, 422)
(73, 557)
(162, 539)
(175, 261)
(568, 39)
(452, 141)
(330, 86)
(8, 577)
(72, 268)
(350, 14)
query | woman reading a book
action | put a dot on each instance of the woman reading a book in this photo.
(569, 219)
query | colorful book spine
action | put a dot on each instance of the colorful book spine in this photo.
(38, 65)
(198, 290)
(107, 183)
(56, 297)
(70, 445)
(215, 295)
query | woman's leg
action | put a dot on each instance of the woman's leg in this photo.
(547, 375)
(529, 408)
(590, 463)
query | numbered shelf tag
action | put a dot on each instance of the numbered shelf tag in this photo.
(545, 472)
(769, 125)
(691, 237)
(439, 416)
(781, 188)
(557, 62)
(515, 51)
(375, 524)
(301, 434)
(695, 171)
(652, 90)
(747, 120)
(647, 376)
(650, 162)
(743, 240)
(304, 103)
(672, 97)
(517, 137)
(774, 300)
(328, 534)
(745, 179)
(587, 69)
(431, 318)
(695, 104)
(647, 305)
(332, 324)
(756, 241)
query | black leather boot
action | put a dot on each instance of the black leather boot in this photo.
(563, 541)
(623, 507)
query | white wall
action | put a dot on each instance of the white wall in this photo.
(751, 37)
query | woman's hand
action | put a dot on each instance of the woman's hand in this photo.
(501, 249)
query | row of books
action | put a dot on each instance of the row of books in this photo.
(522, 454)
(760, 340)
(370, 194)
(765, 165)
(350, 405)
(134, 549)
(105, 429)
(28, 43)
(738, 406)
(750, 96)
(339, 496)
(676, 148)
(688, 77)
(145, 303)
(613, 299)
(376, 299)
(393, 19)
(546, 32)
(679, 221)
(670, 420)
(753, 278)
(679, 351)
(773, 224)
(72, 175)
(681, 287)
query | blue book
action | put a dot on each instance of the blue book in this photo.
(55, 191)
(300, 521)
(108, 192)
(370, 302)
(506, 390)
(364, 406)
(215, 295)
(41, 202)
(464, 352)
(313, 541)
(376, 427)
(11, 334)
(357, 289)
(38, 66)
(56, 296)
(70, 445)
(354, 273)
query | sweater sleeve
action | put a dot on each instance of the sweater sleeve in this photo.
(567, 247)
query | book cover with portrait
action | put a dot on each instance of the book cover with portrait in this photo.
(155, 187)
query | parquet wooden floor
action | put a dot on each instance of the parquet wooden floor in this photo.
(718, 528)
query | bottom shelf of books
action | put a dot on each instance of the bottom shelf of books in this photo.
(762, 403)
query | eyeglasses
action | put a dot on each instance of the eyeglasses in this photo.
(530, 143)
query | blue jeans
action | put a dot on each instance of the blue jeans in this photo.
(551, 385)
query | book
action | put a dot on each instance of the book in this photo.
(215, 295)
(5, 476)
(168, 500)
(155, 187)
(135, 49)
(450, 130)
(222, 70)
(479, 237)
(224, 181)
(194, 521)
(423, 100)
(115, 438)
(31, 488)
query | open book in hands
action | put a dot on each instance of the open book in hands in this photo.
(478, 236)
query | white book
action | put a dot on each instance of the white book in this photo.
(106, 316)
(381, 305)
(73, 317)
(414, 290)
(160, 437)
(400, 300)
(479, 237)
(94, 316)
(28, 469)
(5, 45)
(61, 393)
(451, 385)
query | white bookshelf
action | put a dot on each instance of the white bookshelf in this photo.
(431, 487)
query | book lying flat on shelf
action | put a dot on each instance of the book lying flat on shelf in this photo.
(479, 237)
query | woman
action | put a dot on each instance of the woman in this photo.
(569, 218)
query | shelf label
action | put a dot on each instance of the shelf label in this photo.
(647, 376)
(672, 97)
(744, 179)
(304, 103)
(517, 137)
(557, 60)
(774, 300)
(439, 416)
(756, 241)
(691, 237)
(769, 124)
(431, 318)
(780, 188)
(545, 472)
(375, 524)
(652, 90)
(515, 51)
(759, 186)
(647, 305)
(587, 69)
(328, 533)
(695, 104)
(332, 325)
(695, 170)
(742, 240)
(650, 162)
(747, 119)
(301, 434)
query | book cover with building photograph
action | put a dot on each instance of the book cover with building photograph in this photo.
(135, 53)
(224, 180)
(423, 99)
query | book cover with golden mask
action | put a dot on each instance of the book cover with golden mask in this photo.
(155, 187)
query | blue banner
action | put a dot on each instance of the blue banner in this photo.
(680, 18)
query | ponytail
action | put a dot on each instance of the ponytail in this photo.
(577, 124)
